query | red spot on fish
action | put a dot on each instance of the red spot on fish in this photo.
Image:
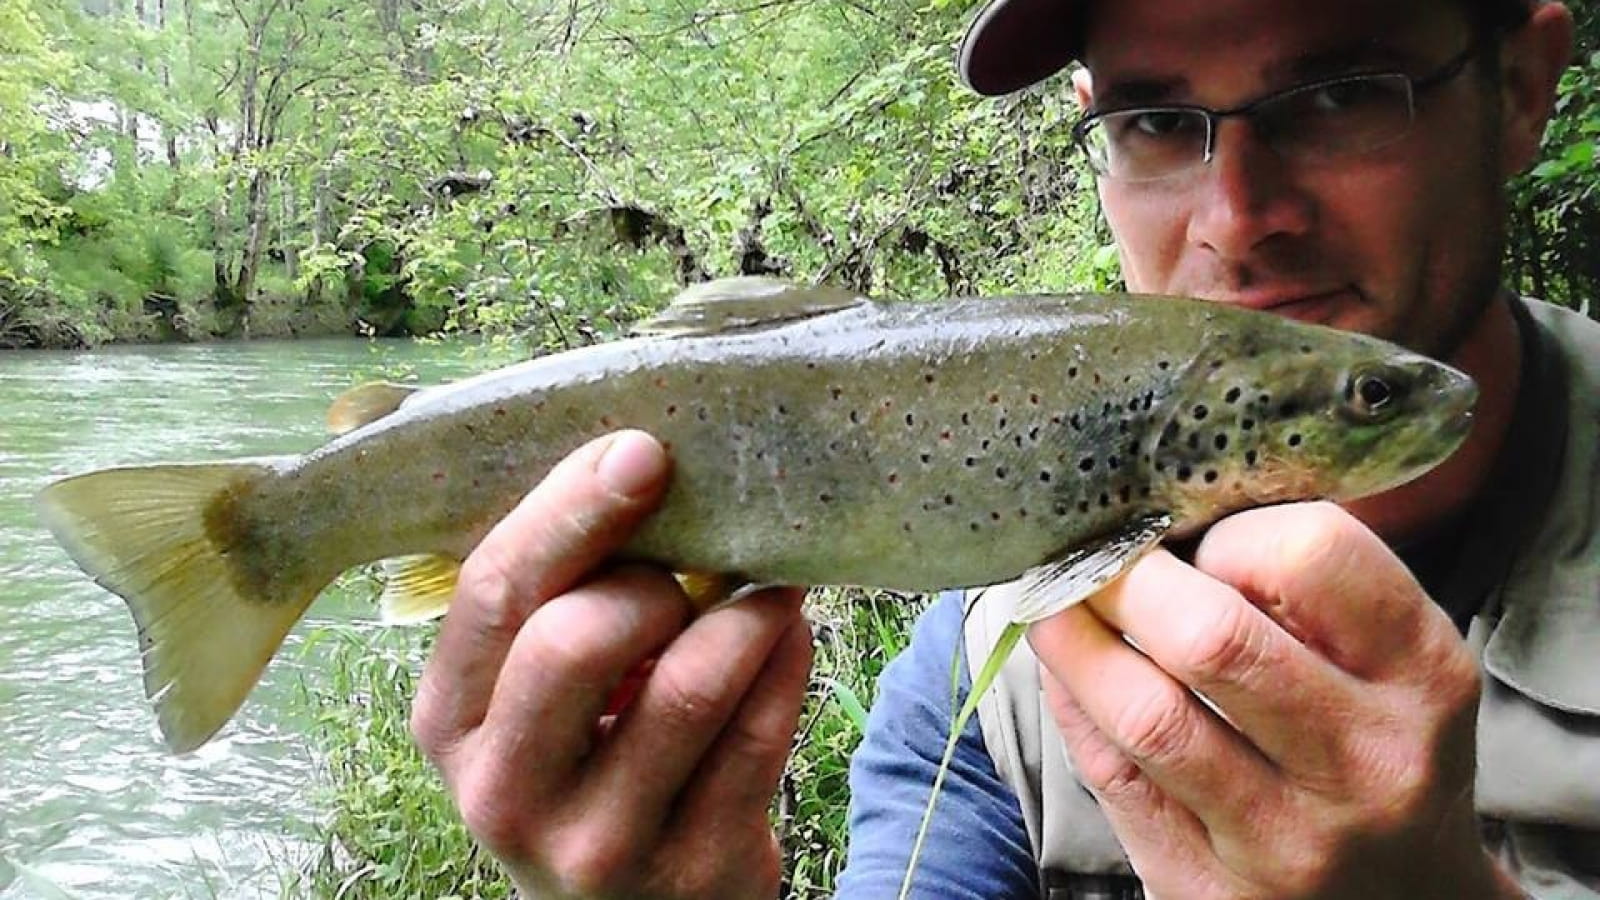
(1034, 399)
(475, 483)
(438, 476)
(894, 477)
(667, 446)
(782, 473)
(799, 526)
(499, 410)
(605, 421)
(661, 382)
(672, 410)
(994, 398)
(944, 435)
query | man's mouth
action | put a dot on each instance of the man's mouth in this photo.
(1316, 305)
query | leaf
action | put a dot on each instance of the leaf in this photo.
(848, 700)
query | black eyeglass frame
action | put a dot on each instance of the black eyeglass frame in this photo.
(1416, 85)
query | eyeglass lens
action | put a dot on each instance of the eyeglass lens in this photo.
(1333, 118)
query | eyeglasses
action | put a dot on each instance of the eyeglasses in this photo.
(1335, 117)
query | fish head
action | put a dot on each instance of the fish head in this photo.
(1283, 411)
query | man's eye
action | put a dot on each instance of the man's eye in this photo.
(1160, 123)
(1343, 96)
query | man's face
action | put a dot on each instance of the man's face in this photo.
(1402, 242)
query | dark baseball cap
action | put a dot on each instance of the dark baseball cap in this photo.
(1017, 43)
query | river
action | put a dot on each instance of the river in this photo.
(89, 798)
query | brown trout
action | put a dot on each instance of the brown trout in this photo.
(817, 437)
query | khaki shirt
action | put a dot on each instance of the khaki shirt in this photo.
(1536, 629)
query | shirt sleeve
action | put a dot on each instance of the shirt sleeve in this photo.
(977, 845)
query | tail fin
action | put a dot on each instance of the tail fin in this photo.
(154, 536)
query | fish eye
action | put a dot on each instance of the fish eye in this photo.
(1371, 394)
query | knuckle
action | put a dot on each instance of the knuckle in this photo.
(1229, 649)
(591, 862)
(487, 581)
(1159, 727)
(492, 814)
(684, 702)
(428, 725)
(1112, 776)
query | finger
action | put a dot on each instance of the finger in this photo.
(1211, 639)
(581, 512)
(1158, 833)
(560, 673)
(1175, 741)
(1333, 584)
(737, 779)
(690, 697)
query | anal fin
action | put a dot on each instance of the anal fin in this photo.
(417, 588)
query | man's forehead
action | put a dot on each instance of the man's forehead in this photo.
(1154, 50)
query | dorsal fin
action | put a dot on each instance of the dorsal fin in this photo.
(740, 304)
(364, 404)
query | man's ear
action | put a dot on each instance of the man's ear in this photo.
(1531, 62)
(1083, 88)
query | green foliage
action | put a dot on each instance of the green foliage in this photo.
(1555, 235)
(395, 834)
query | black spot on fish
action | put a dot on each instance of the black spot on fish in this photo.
(1220, 441)
(911, 420)
(1133, 405)
(1288, 409)
(702, 414)
(1264, 399)
(906, 527)
(1200, 412)
(1000, 472)
(1033, 433)
(1211, 476)
(1232, 396)
(1194, 440)
(1114, 462)
(783, 410)
(825, 497)
(1250, 457)
(1247, 424)
(984, 445)
(1083, 506)
(966, 419)
(1294, 440)
(836, 392)
(1001, 425)
(1061, 509)
(971, 461)
(994, 516)
(1077, 422)
(1105, 500)
(927, 378)
(1185, 473)
(1017, 439)
(1163, 365)
(1086, 464)
(1105, 408)
(949, 500)
(1072, 371)
(973, 525)
(1169, 433)
(926, 458)
(672, 410)
(1125, 493)
(855, 417)
(1045, 476)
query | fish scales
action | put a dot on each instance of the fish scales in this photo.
(783, 440)
(815, 439)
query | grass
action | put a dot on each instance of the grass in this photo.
(393, 832)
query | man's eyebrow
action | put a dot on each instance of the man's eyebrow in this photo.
(1138, 91)
(1363, 57)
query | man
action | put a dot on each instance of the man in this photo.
(1298, 718)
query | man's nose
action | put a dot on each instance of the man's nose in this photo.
(1246, 195)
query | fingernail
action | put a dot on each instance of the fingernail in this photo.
(632, 465)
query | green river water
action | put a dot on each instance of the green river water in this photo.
(89, 798)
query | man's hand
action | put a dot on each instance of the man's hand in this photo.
(1336, 758)
(669, 796)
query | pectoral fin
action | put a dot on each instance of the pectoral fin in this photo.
(417, 588)
(1047, 589)
(1043, 591)
(742, 304)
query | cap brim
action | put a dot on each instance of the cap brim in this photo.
(1017, 43)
